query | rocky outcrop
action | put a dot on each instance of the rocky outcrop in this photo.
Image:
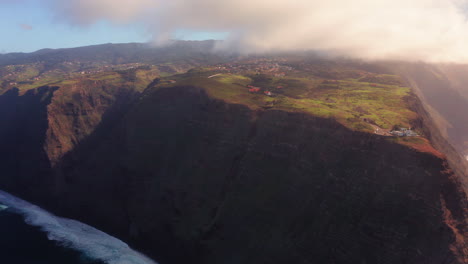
(76, 111)
(39, 126)
(185, 177)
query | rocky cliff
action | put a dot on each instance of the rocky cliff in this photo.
(187, 177)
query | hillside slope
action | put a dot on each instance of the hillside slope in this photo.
(117, 53)
(199, 169)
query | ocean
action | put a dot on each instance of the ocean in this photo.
(21, 243)
(31, 235)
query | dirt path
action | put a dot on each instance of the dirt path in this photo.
(209, 77)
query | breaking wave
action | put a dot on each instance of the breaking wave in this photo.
(70, 233)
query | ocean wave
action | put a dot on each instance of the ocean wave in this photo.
(70, 233)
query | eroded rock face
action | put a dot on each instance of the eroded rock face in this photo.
(76, 111)
(39, 126)
(185, 177)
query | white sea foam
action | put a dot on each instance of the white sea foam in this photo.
(73, 234)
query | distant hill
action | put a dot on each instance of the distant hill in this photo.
(49, 66)
(118, 53)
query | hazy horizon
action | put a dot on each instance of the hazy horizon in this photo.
(427, 30)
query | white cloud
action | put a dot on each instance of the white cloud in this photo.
(432, 30)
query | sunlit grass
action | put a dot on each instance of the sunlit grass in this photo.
(349, 101)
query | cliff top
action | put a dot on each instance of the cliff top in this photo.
(368, 102)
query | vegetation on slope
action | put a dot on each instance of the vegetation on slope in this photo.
(374, 103)
(352, 102)
(357, 97)
(139, 77)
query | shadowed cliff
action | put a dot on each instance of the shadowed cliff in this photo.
(41, 125)
(187, 177)
(184, 176)
(24, 122)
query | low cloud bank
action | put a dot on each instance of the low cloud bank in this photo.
(429, 30)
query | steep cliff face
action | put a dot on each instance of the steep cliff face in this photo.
(187, 177)
(41, 125)
(76, 111)
(23, 126)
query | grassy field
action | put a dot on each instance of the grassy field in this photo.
(139, 78)
(360, 101)
(356, 103)
(352, 102)
(30, 76)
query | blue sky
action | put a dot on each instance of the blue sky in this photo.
(28, 25)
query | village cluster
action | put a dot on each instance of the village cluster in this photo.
(266, 66)
(120, 67)
(401, 132)
(404, 132)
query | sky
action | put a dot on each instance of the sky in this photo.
(427, 30)
(30, 25)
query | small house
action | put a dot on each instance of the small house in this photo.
(397, 133)
(410, 133)
(404, 132)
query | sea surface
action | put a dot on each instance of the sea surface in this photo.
(31, 235)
